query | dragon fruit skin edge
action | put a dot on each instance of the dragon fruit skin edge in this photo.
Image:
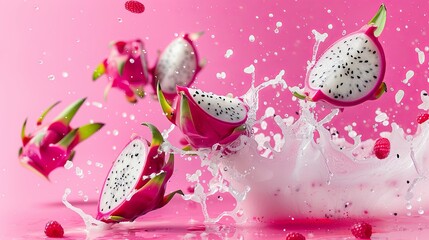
(126, 69)
(200, 129)
(147, 192)
(50, 146)
(371, 31)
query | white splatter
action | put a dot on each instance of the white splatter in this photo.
(425, 100)
(399, 96)
(408, 76)
(228, 53)
(421, 55)
(250, 69)
(251, 38)
(221, 75)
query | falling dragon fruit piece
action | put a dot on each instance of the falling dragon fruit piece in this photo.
(50, 146)
(206, 118)
(351, 71)
(126, 69)
(177, 65)
(137, 181)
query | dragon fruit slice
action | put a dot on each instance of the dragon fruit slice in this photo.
(50, 146)
(351, 71)
(137, 180)
(177, 65)
(206, 118)
(126, 69)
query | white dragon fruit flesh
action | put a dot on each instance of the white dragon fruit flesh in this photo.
(177, 65)
(352, 70)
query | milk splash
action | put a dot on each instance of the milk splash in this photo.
(312, 173)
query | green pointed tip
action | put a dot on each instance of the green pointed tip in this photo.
(381, 90)
(166, 108)
(72, 154)
(299, 96)
(68, 139)
(157, 181)
(170, 196)
(23, 135)
(40, 120)
(139, 91)
(116, 218)
(67, 115)
(187, 148)
(379, 20)
(86, 131)
(99, 71)
(121, 65)
(157, 138)
(20, 151)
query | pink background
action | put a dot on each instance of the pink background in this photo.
(42, 38)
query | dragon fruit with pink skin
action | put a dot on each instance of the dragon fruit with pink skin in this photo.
(206, 118)
(177, 65)
(126, 69)
(351, 71)
(136, 183)
(50, 146)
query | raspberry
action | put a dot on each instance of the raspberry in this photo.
(295, 236)
(362, 230)
(134, 6)
(422, 118)
(382, 148)
(54, 229)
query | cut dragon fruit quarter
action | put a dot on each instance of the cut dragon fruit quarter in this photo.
(177, 65)
(137, 180)
(351, 71)
(50, 146)
(206, 118)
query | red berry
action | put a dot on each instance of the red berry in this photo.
(134, 6)
(422, 118)
(362, 230)
(54, 229)
(382, 148)
(295, 236)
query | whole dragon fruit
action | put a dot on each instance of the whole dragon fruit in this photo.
(351, 71)
(126, 69)
(177, 65)
(50, 146)
(137, 180)
(206, 118)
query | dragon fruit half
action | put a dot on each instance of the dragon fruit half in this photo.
(351, 71)
(177, 65)
(126, 69)
(206, 118)
(50, 146)
(137, 180)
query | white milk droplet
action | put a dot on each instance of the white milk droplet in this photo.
(132, 117)
(65, 74)
(132, 60)
(115, 132)
(421, 55)
(79, 172)
(251, 38)
(89, 162)
(119, 20)
(85, 198)
(421, 211)
(329, 26)
(270, 15)
(228, 53)
(97, 104)
(250, 69)
(408, 76)
(124, 114)
(99, 165)
(51, 77)
(425, 100)
(399, 95)
(279, 24)
(68, 165)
